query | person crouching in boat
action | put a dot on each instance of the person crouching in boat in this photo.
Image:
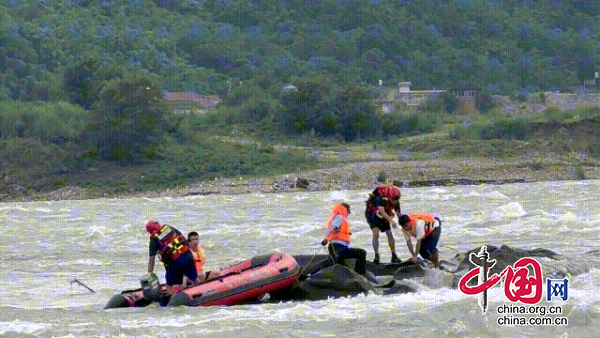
(200, 258)
(173, 251)
(426, 229)
(338, 237)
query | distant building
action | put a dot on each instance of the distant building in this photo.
(402, 98)
(188, 102)
(387, 99)
(404, 87)
(467, 98)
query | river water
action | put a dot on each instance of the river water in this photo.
(102, 242)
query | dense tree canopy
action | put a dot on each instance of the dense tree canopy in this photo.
(198, 45)
(129, 120)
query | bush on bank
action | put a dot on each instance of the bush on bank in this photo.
(44, 146)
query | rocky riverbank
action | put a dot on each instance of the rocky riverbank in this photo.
(366, 175)
(361, 170)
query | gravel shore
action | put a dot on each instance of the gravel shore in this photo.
(364, 175)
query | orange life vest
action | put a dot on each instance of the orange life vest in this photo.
(344, 230)
(389, 194)
(172, 243)
(199, 258)
(429, 223)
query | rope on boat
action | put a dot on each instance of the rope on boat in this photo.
(311, 259)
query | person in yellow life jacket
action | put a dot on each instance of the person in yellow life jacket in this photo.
(173, 251)
(338, 237)
(426, 229)
(200, 258)
(383, 204)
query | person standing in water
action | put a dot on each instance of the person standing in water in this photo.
(382, 206)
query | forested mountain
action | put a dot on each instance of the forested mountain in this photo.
(502, 46)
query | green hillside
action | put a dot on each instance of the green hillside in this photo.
(200, 45)
(82, 104)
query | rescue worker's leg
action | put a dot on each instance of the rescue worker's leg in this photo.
(392, 244)
(375, 243)
(359, 254)
(374, 224)
(329, 261)
(183, 265)
(435, 259)
(429, 249)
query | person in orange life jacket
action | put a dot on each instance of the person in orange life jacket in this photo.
(382, 205)
(427, 230)
(200, 258)
(173, 251)
(338, 237)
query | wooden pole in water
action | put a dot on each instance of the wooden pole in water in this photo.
(80, 283)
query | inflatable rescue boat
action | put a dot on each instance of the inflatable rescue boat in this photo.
(241, 282)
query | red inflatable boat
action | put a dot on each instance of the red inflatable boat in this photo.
(241, 282)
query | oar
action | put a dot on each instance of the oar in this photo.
(80, 283)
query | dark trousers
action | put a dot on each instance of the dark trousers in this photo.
(429, 244)
(338, 253)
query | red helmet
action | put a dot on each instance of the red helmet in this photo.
(153, 227)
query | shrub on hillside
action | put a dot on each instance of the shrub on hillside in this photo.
(214, 159)
(38, 158)
(592, 147)
(504, 129)
(128, 123)
(407, 124)
(510, 129)
(484, 102)
(50, 122)
(466, 132)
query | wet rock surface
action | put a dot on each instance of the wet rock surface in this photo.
(341, 280)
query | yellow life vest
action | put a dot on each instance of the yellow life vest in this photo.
(199, 258)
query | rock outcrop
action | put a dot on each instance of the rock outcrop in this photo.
(341, 280)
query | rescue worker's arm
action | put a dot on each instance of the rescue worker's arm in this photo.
(335, 224)
(408, 242)
(153, 249)
(335, 228)
(420, 235)
(387, 217)
(417, 249)
(151, 261)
